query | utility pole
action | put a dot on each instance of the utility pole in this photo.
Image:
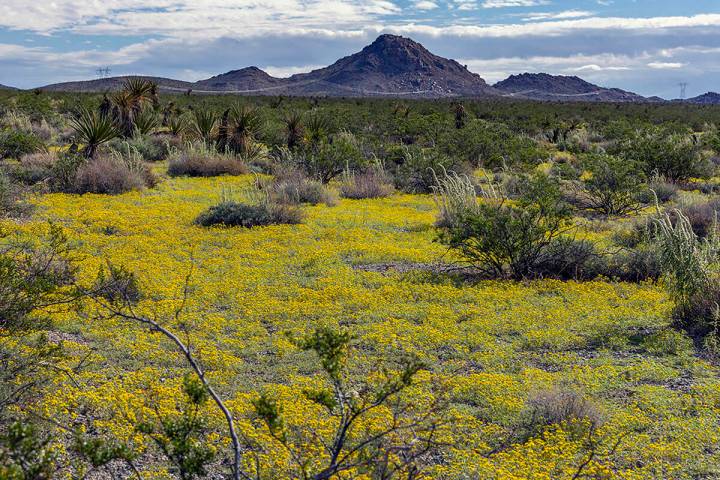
(103, 72)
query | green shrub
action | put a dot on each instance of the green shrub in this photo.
(327, 160)
(517, 240)
(490, 145)
(414, 170)
(15, 144)
(612, 186)
(235, 214)
(674, 156)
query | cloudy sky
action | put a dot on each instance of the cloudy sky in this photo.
(648, 46)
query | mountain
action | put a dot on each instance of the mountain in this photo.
(5, 87)
(710, 98)
(391, 65)
(542, 86)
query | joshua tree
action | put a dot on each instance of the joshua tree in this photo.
(460, 115)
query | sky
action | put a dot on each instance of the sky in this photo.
(646, 46)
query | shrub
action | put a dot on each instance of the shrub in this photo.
(558, 407)
(490, 145)
(327, 160)
(516, 240)
(201, 161)
(690, 268)
(235, 214)
(152, 148)
(657, 190)
(108, 175)
(372, 183)
(612, 185)
(11, 201)
(414, 169)
(15, 144)
(703, 217)
(34, 168)
(293, 187)
(674, 156)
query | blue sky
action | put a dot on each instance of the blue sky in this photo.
(647, 46)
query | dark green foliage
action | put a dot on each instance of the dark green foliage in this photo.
(145, 122)
(613, 185)
(15, 144)
(203, 124)
(234, 214)
(330, 346)
(26, 454)
(117, 284)
(328, 159)
(92, 130)
(181, 436)
(31, 276)
(674, 156)
(514, 240)
(490, 145)
(414, 168)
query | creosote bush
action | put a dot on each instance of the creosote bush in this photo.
(16, 143)
(516, 240)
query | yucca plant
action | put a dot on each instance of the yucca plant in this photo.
(294, 129)
(317, 128)
(244, 125)
(145, 122)
(93, 130)
(177, 125)
(142, 90)
(203, 124)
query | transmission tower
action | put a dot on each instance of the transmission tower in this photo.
(683, 89)
(103, 72)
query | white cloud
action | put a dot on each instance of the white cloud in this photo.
(426, 5)
(665, 65)
(532, 17)
(513, 3)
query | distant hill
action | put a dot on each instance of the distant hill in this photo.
(710, 98)
(542, 86)
(391, 65)
(5, 87)
(112, 84)
(246, 79)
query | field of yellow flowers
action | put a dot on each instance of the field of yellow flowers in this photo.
(495, 345)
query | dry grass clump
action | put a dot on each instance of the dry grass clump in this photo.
(200, 160)
(110, 176)
(373, 183)
(291, 186)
